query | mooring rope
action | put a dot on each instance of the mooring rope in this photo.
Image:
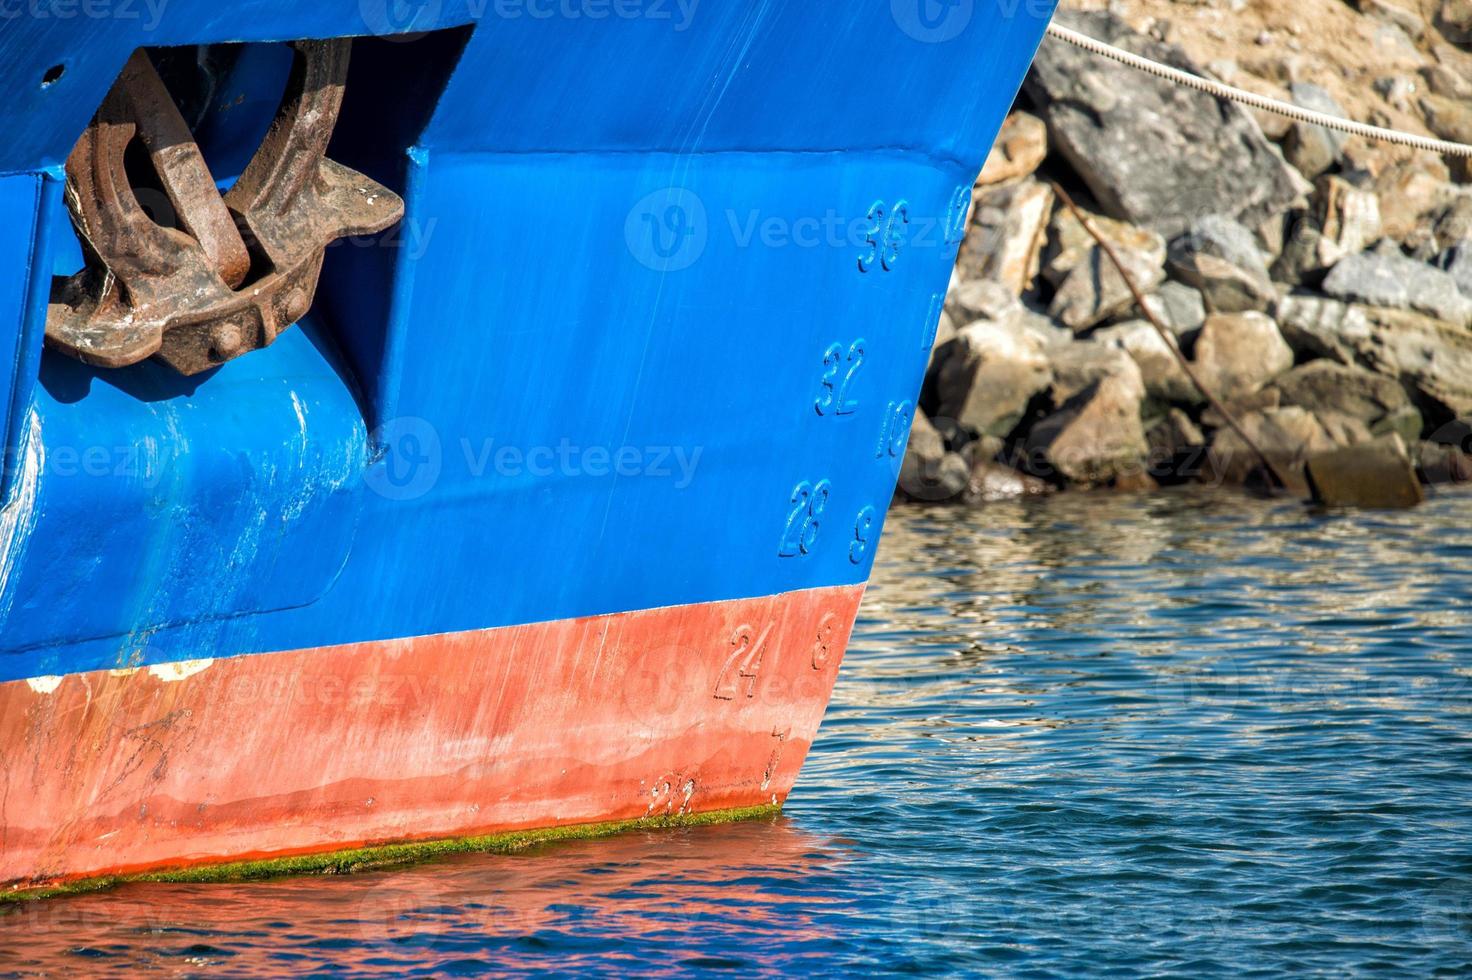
(1243, 97)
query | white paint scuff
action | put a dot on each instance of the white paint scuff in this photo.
(18, 519)
(170, 673)
(44, 685)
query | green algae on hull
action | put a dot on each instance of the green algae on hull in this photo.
(374, 858)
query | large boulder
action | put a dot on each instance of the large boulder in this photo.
(1151, 152)
(1239, 353)
(1083, 364)
(1288, 437)
(1430, 357)
(1220, 258)
(1095, 438)
(1380, 403)
(1090, 289)
(990, 374)
(1009, 228)
(1385, 278)
(1378, 475)
(1160, 370)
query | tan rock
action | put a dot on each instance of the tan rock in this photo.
(1160, 370)
(1090, 288)
(1021, 148)
(1378, 475)
(1095, 438)
(1287, 436)
(1070, 244)
(1447, 118)
(1349, 218)
(990, 375)
(1239, 353)
(1080, 365)
(1008, 231)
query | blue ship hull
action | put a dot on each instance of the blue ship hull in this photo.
(648, 337)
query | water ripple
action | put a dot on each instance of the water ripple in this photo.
(1188, 734)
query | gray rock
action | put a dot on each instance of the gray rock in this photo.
(1325, 386)
(1389, 280)
(1315, 326)
(1239, 353)
(1174, 435)
(979, 299)
(1095, 438)
(1220, 258)
(1095, 291)
(1408, 21)
(992, 481)
(1314, 149)
(990, 374)
(929, 473)
(1150, 152)
(1287, 436)
(1430, 357)
(1456, 261)
(1377, 475)
(1438, 464)
(1179, 307)
(1083, 364)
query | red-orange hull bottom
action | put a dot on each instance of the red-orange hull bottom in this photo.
(673, 711)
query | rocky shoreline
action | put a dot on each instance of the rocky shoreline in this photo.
(1319, 286)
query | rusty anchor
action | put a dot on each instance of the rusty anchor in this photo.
(239, 268)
